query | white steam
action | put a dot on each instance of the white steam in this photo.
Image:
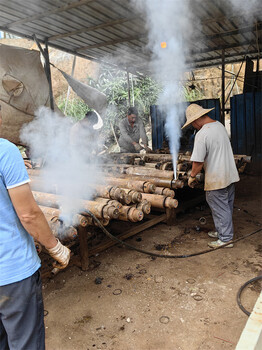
(68, 165)
(170, 23)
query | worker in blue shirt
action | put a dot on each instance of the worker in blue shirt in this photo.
(22, 221)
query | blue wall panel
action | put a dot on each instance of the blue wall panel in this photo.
(246, 124)
(158, 119)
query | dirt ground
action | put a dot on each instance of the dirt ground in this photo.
(161, 304)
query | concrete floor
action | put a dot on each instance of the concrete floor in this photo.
(161, 304)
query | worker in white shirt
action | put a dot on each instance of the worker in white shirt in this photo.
(212, 151)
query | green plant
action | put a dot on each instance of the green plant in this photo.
(113, 83)
(75, 108)
(192, 94)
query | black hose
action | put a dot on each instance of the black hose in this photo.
(241, 290)
(163, 255)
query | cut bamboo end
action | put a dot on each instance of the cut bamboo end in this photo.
(171, 203)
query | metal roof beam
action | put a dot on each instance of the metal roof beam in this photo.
(212, 64)
(221, 47)
(235, 31)
(222, 19)
(48, 13)
(91, 29)
(111, 42)
(218, 57)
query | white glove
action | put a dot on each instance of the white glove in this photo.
(61, 254)
(191, 181)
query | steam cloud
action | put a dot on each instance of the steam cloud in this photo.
(173, 22)
(67, 165)
(170, 22)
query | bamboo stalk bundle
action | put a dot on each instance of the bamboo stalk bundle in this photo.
(159, 201)
(127, 199)
(62, 232)
(112, 202)
(144, 205)
(137, 185)
(99, 210)
(140, 170)
(110, 192)
(136, 196)
(165, 192)
(77, 220)
(157, 181)
(130, 214)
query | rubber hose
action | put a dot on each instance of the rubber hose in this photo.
(163, 255)
(241, 290)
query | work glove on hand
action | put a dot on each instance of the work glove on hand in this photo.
(148, 150)
(61, 254)
(137, 147)
(191, 181)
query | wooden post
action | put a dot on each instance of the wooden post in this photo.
(48, 74)
(170, 216)
(223, 89)
(83, 248)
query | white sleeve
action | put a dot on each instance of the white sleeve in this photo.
(199, 150)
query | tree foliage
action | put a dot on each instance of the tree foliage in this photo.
(113, 83)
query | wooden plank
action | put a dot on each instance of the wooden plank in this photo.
(129, 233)
(83, 247)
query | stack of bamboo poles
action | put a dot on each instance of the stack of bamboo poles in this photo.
(135, 183)
(158, 168)
(123, 199)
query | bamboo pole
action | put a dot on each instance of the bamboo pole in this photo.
(165, 192)
(164, 174)
(136, 196)
(112, 202)
(77, 220)
(137, 185)
(99, 210)
(130, 214)
(158, 201)
(127, 199)
(144, 205)
(62, 232)
(157, 181)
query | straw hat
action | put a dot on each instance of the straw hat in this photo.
(193, 112)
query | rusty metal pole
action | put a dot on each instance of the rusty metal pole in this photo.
(128, 88)
(222, 119)
(48, 74)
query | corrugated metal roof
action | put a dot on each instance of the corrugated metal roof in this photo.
(105, 29)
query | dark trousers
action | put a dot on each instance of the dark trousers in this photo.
(22, 315)
(221, 204)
